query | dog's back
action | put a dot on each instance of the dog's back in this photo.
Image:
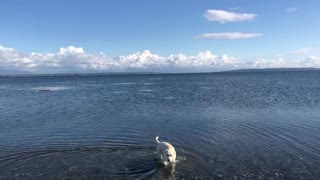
(166, 144)
(165, 147)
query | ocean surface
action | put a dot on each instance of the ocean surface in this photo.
(252, 125)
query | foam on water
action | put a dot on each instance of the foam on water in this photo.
(147, 83)
(118, 92)
(51, 88)
(146, 90)
(124, 83)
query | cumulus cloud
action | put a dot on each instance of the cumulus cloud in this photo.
(226, 16)
(270, 63)
(228, 35)
(76, 60)
(71, 50)
(69, 59)
(204, 61)
(72, 59)
(306, 62)
(310, 61)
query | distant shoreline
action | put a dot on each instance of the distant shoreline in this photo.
(274, 69)
(161, 73)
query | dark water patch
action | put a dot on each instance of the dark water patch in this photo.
(91, 162)
(80, 162)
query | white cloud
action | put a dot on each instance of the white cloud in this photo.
(228, 35)
(306, 62)
(302, 51)
(226, 16)
(74, 60)
(204, 61)
(273, 63)
(71, 50)
(69, 59)
(291, 9)
(310, 61)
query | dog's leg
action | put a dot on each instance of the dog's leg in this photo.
(159, 155)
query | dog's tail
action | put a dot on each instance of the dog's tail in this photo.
(157, 139)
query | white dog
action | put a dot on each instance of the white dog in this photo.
(165, 152)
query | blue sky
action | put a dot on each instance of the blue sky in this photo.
(287, 29)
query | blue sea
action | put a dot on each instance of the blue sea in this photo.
(232, 125)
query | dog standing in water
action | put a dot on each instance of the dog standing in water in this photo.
(165, 152)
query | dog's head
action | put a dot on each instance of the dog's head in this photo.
(170, 156)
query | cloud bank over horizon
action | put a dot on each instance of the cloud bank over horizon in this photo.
(75, 60)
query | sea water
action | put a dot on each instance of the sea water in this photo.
(234, 125)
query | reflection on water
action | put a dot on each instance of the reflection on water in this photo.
(223, 126)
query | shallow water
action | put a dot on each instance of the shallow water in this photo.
(223, 126)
